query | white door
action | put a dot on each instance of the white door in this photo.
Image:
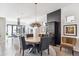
(2, 35)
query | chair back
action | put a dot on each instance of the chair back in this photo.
(23, 43)
(45, 42)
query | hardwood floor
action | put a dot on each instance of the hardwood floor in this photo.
(64, 52)
(53, 50)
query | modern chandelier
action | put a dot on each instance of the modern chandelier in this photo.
(36, 23)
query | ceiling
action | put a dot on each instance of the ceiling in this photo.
(27, 10)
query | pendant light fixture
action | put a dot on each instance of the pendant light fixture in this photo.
(18, 21)
(36, 23)
(18, 27)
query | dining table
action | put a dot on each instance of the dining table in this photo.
(33, 41)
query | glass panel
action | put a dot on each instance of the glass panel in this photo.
(9, 30)
(14, 30)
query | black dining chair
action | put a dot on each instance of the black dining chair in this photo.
(44, 44)
(25, 46)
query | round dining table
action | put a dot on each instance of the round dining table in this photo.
(33, 41)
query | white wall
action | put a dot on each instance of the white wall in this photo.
(2, 35)
(71, 10)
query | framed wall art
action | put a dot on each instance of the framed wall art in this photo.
(70, 18)
(70, 30)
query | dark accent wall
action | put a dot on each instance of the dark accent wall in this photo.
(54, 16)
(54, 25)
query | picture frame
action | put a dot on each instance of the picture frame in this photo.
(70, 30)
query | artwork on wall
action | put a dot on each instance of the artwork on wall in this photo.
(70, 19)
(70, 30)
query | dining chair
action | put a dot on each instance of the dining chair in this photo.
(24, 45)
(44, 44)
(52, 40)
